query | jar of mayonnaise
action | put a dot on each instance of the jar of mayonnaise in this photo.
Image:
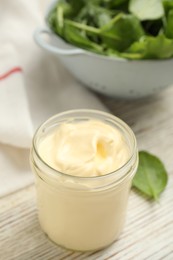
(84, 162)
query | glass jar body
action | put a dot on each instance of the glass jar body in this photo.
(82, 213)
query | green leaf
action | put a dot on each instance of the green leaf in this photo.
(115, 3)
(169, 25)
(57, 15)
(146, 9)
(159, 47)
(95, 15)
(149, 47)
(52, 19)
(108, 27)
(121, 32)
(151, 177)
(102, 19)
(76, 6)
(59, 19)
(168, 4)
(74, 35)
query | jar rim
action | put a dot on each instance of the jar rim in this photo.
(107, 115)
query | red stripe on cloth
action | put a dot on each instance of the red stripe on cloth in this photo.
(8, 73)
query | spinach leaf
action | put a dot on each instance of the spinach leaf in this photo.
(56, 17)
(151, 177)
(75, 36)
(169, 25)
(167, 4)
(102, 18)
(116, 3)
(75, 5)
(132, 29)
(146, 9)
(126, 28)
(149, 47)
(95, 15)
(52, 20)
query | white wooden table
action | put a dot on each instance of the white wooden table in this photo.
(148, 233)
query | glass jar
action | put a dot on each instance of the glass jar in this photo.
(82, 213)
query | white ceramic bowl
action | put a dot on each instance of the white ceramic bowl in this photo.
(108, 75)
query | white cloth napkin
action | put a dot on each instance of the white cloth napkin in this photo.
(33, 87)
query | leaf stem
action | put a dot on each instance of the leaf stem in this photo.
(83, 27)
(113, 21)
(60, 17)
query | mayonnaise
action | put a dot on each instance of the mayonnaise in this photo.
(85, 149)
(83, 168)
